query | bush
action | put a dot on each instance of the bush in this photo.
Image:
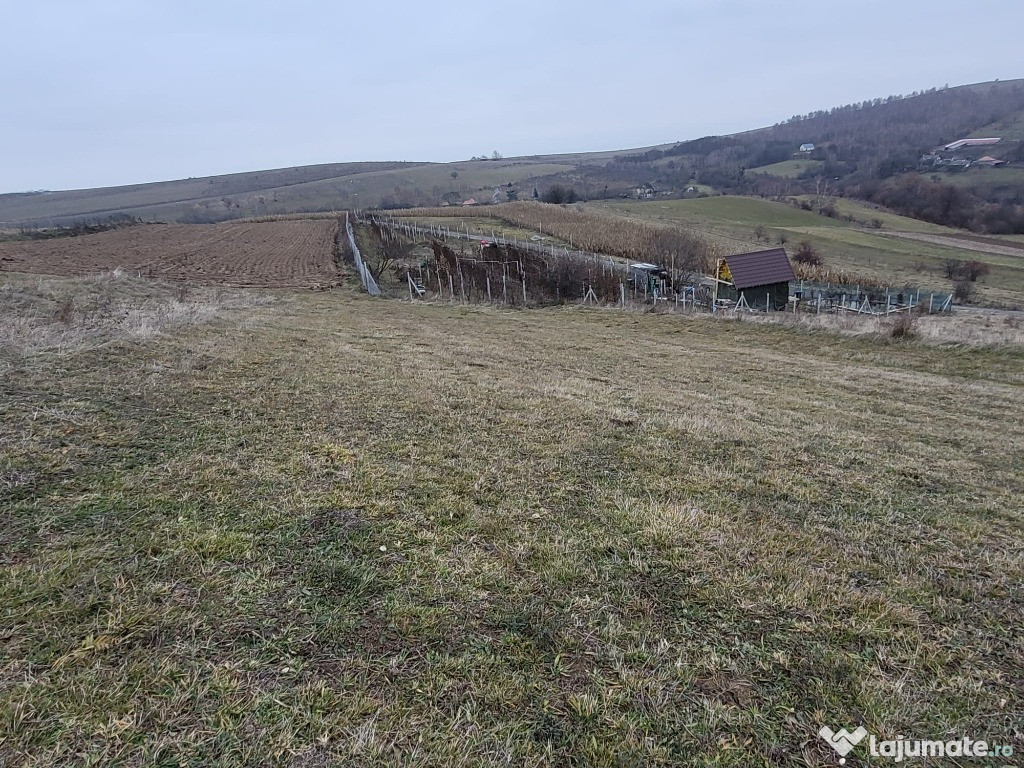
(903, 326)
(963, 291)
(807, 254)
(972, 270)
(965, 270)
(559, 195)
(952, 268)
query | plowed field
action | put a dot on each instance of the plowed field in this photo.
(271, 254)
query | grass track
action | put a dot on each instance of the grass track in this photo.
(341, 530)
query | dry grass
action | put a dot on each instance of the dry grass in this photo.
(963, 328)
(42, 316)
(598, 233)
(367, 532)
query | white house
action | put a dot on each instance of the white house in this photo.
(806, 147)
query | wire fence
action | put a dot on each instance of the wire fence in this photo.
(365, 276)
(693, 293)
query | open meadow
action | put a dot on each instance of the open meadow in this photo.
(312, 528)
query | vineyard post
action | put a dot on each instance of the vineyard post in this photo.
(504, 284)
(462, 282)
(768, 302)
(931, 298)
(451, 288)
(524, 290)
(488, 289)
(622, 294)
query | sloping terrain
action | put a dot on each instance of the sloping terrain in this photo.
(858, 238)
(339, 531)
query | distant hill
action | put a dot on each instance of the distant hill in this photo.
(889, 151)
(872, 150)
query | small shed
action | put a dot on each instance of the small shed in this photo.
(761, 277)
(808, 147)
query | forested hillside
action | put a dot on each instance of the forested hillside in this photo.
(873, 150)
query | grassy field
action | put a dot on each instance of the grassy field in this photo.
(352, 185)
(789, 169)
(857, 246)
(987, 180)
(331, 530)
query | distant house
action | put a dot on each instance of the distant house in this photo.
(646, 192)
(960, 143)
(471, 201)
(990, 161)
(806, 147)
(761, 277)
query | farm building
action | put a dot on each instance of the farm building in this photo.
(960, 143)
(645, 192)
(807, 147)
(761, 278)
(986, 160)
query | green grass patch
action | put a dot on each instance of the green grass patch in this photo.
(789, 169)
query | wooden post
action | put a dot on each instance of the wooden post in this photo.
(819, 304)
(524, 290)
(451, 288)
(931, 299)
(768, 301)
(488, 289)
(504, 285)
(622, 294)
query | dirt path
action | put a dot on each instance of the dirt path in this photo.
(965, 244)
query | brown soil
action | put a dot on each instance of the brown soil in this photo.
(266, 254)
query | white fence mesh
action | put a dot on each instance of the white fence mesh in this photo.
(364, 271)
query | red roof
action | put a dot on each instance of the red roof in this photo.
(760, 268)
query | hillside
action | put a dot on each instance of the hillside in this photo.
(871, 150)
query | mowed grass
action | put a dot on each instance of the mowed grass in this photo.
(344, 531)
(789, 169)
(856, 246)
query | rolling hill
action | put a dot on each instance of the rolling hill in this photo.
(865, 150)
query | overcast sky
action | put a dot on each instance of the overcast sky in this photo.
(113, 92)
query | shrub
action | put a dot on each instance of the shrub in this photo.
(559, 195)
(973, 269)
(807, 254)
(903, 326)
(963, 291)
(951, 267)
(965, 270)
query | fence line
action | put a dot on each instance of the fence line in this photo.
(805, 295)
(446, 233)
(365, 276)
